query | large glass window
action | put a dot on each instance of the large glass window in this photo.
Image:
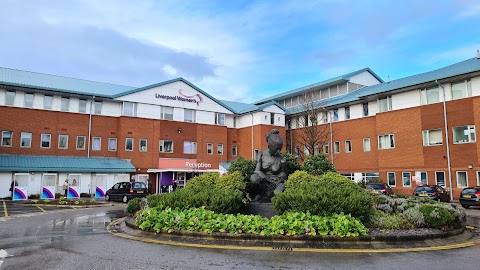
(464, 134)
(461, 89)
(28, 100)
(96, 143)
(391, 179)
(81, 142)
(167, 113)
(166, 146)
(432, 137)
(98, 107)
(47, 102)
(26, 140)
(82, 106)
(440, 178)
(129, 108)
(366, 144)
(406, 179)
(188, 115)
(209, 148)
(386, 141)
(348, 146)
(129, 144)
(462, 179)
(365, 109)
(189, 147)
(143, 145)
(385, 104)
(220, 119)
(65, 104)
(7, 138)
(62, 141)
(9, 98)
(347, 112)
(430, 95)
(112, 144)
(220, 149)
(45, 140)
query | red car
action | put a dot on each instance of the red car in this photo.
(379, 189)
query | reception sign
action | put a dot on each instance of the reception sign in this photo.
(20, 193)
(181, 163)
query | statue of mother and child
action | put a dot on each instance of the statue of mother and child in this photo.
(270, 174)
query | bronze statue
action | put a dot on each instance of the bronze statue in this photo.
(269, 176)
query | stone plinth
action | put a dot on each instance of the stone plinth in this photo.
(261, 209)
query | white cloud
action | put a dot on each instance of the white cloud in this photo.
(169, 70)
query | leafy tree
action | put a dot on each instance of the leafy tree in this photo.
(292, 164)
(318, 165)
(245, 166)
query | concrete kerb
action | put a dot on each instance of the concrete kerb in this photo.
(126, 228)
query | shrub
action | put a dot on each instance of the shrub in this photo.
(133, 205)
(380, 220)
(332, 193)
(414, 216)
(317, 165)
(234, 180)
(436, 217)
(246, 168)
(291, 163)
(298, 178)
(205, 180)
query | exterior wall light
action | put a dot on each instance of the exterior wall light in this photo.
(179, 130)
(470, 166)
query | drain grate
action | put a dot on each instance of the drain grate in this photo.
(284, 248)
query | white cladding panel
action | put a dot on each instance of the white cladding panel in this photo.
(148, 111)
(274, 109)
(175, 90)
(244, 121)
(356, 111)
(5, 178)
(110, 108)
(372, 107)
(406, 100)
(476, 86)
(364, 78)
(205, 117)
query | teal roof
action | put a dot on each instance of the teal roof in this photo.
(21, 78)
(457, 69)
(27, 163)
(322, 84)
(242, 108)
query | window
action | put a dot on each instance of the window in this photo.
(406, 179)
(7, 138)
(430, 95)
(461, 89)
(432, 137)
(234, 150)
(189, 147)
(365, 109)
(98, 107)
(96, 143)
(82, 106)
(81, 142)
(189, 115)
(386, 141)
(306, 152)
(112, 144)
(256, 151)
(462, 179)
(45, 140)
(348, 146)
(26, 140)
(424, 178)
(272, 118)
(65, 104)
(235, 122)
(143, 145)
(47, 102)
(316, 149)
(62, 141)
(325, 148)
(129, 108)
(347, 112)
(336, 147)
(167, 113)
(335, 115)
(209, 149)
(220, 149)
(28, 100)
(9, 98)
(129, 144)
(220, 119)
(440, 178)
(385, 104)
(391, 179)
(366, 144)
(478, 178)
(297, 151)
(464, 134)
(166, 146)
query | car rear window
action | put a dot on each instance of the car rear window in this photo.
(426, 189)
(138, 185)
(469, 190)
(375, 186)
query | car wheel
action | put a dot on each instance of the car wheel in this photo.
(125, 199)
(466, 206)
(107, 197)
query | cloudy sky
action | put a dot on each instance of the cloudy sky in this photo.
(235, 50)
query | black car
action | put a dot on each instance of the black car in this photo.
(434, 192)
(470, 196)
(125, 191)
(379, 189)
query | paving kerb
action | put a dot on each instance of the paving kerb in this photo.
(126, 228)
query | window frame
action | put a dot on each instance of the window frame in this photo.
(98, 107)
(82, 105)
(478, 177)
(388, 100)
(391, 138)
(22, 137)
(164, 114)
(109, 142)
(194, 147)
(47, 102)
(426, 137)
(455, 141)
(466, 91)
(220, 149)
(30, 102)
(161, 146)
(65, 104)
(348, 146)
(10, 95)
(219, 119)
(193, 115)
(409, 179)
(77, 141)
(336, 147)
(369, 145)
(444, 178)
(99, 143)
(424, 94)
(394, 179)
(347, 112)
(297, 151)
(59, 140)
(234, 150)
(132, 143)
(140, 145)
(365, 109)
(335, 115)
(466, 179)
(3, 137)
(49, 140)
(325, 147)
(209, 148)
(132, 108)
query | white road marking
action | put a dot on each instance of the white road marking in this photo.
(3, 255)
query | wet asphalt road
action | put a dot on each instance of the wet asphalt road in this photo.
(78, 239)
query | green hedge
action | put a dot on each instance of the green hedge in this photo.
(436, 217)
(331, 193)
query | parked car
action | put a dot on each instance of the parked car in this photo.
(126, 191)
(434, 192)
(379, 189)
(470, 196)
